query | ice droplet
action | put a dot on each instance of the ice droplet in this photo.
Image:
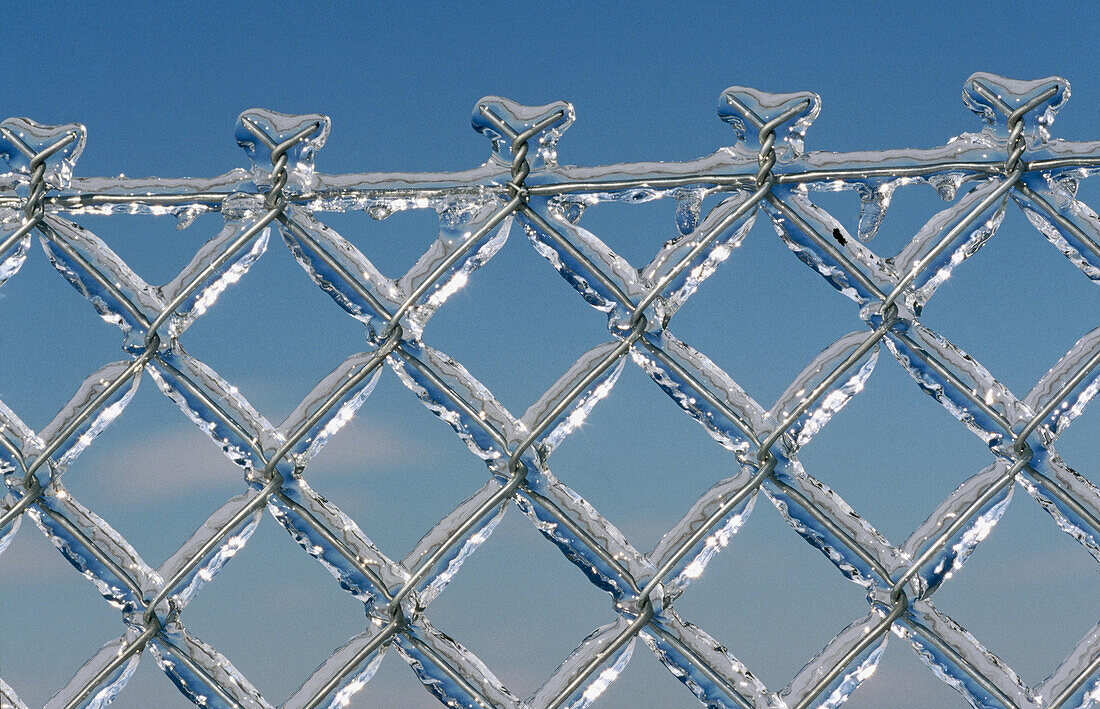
(379, 212)
(186, 217)
(571, 210)
(946, 185)
(874, 200)
(688, 205)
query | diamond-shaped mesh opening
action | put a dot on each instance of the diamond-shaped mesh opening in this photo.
(772, 599)
(1026, 557)
(1016, 306)
(1077, 446)
(289, 614)
(154, 246)
(378, 467)
(842, 205)
(35, 576)
(764, 315)
(902, 681)
(391, 238)
(635, 227)
(641, 460)
(910, 207)
(394, 685)
(1088, 191)
(52, 339)
(896, 477)
(153, 475)
(645, 682)
(492, 596)
(149, 683)
(516, 309)
(274, 334)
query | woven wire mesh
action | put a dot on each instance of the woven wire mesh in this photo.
(1012, 159)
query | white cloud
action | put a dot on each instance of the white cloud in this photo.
(372, 443)
(171, 462)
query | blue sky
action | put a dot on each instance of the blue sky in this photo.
(159, 91)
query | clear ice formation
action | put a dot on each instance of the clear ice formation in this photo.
(1012, 158)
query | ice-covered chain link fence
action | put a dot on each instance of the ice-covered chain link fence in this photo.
(766, 170)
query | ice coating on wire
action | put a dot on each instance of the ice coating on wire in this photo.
(1011, 158)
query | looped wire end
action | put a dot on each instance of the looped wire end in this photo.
(1027, 108)
(518, 190)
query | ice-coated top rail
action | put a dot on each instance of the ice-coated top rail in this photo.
(969, 155)
(1011, 159)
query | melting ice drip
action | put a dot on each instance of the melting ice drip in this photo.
(767, 169)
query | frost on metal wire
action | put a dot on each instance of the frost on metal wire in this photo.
(524, 193)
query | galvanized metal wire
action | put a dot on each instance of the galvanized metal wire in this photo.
(1011, 159)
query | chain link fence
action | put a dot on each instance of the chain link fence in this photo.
(1012, 159)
